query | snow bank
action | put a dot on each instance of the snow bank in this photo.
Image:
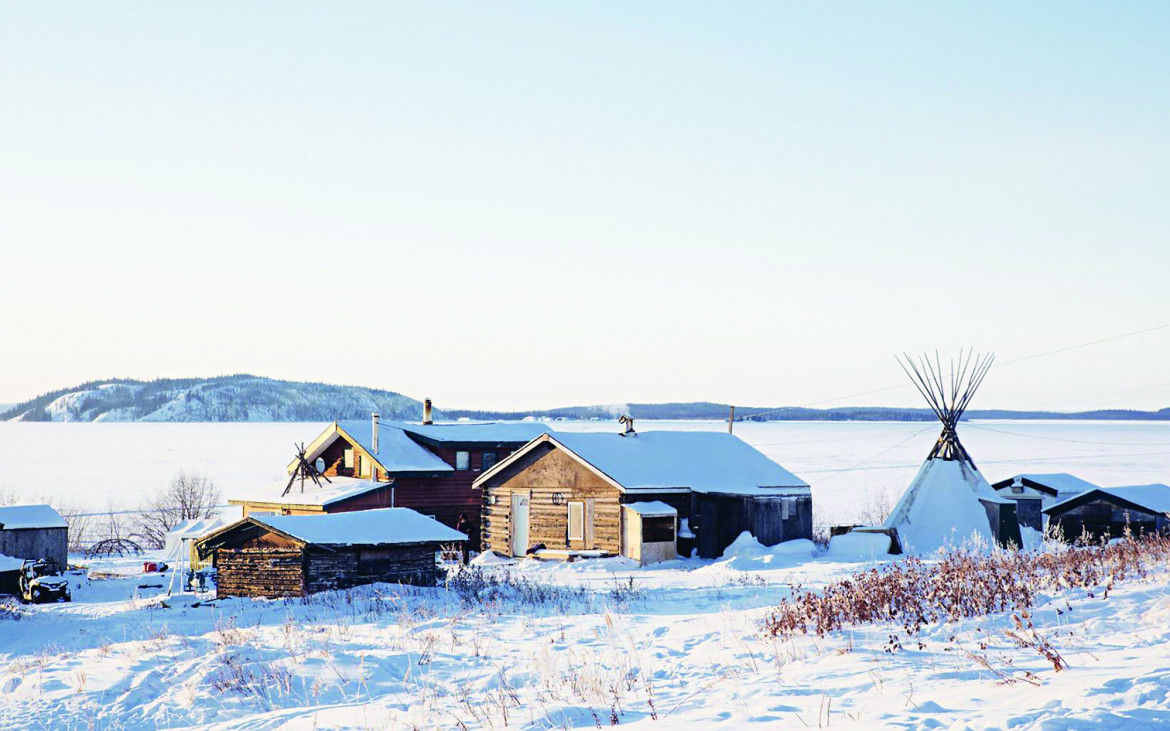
(8, 563)
(489, 558)
(859, 546)
(746, 553)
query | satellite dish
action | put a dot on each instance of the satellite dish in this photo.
(320, 464)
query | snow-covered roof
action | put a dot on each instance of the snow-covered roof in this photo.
(1062, 482)
(397, 452)
(14, 517)
(477, 433)
(362, 527)
(333, 491)
(709, 462)
(1155, 498)
(651, 508)
(8, 563)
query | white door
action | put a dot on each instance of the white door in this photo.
(519, 524)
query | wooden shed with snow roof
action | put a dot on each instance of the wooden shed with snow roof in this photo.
(566, 491)
(295, 555)
(1106, 512)
(1033, 492)
(34, 532)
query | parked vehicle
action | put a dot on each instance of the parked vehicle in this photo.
(41, 581)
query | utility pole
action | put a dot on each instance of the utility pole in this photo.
(730, 419)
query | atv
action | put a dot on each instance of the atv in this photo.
(41, 581)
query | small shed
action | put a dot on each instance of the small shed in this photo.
(1032, 492)
(1105, 512)
(33, 532)
(295, 555)
(650, 532)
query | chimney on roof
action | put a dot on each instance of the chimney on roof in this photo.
(628, 421)
(374, 423)
(427, 412)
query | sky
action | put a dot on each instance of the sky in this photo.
(529, 205)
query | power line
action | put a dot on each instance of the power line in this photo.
(1109, 339)
(1070, 441)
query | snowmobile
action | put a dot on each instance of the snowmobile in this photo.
(41, 581)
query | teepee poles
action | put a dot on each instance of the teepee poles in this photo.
(949, 397)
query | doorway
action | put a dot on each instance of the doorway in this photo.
(519, 524)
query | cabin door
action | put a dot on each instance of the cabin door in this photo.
(519, 524)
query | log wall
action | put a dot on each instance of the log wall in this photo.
(552, 479)
(260, 572)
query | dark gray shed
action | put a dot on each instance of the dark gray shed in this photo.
(32, 532)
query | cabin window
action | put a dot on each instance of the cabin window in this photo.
(349, 459)
(489, 460)
(374, 561)
(577, 521)
(1017, 489)
(463, 460)
(658, 530)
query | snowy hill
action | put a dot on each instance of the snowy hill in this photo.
(224, 398)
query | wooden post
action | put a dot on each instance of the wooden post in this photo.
(730, 419)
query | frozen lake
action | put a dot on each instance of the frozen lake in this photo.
(848, 464)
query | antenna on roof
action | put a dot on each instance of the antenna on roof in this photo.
(948, 397)
(304, 469)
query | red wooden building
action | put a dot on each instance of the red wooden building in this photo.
(429, 468)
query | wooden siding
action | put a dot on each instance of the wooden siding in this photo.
(343, 568)
(260, 572)
(719, 520)
(552, 479)
(1102, 518)
(34, 543)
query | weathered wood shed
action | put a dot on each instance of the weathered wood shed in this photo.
(1105, 512)
(32, 532)
(566, 491)
(294, 555)
(1034, 491)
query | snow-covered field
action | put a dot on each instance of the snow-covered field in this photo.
(584, 645)
(849, 464)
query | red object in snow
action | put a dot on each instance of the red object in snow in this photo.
(149, 567)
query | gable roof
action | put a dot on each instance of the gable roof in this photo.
(706, 462)
(16, 517)
(1151, 498)
(1052, 483)
(335, 490)
(361, 527)
(397, 453)
(493, 433)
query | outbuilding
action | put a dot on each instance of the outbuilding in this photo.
(1033, 492)
(295, 555)
(34, 532)
(1106, 512)
(569, 491)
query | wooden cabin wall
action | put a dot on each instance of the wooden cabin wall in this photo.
(351, 566)
(1101, 518)
(721, 518)
(260, 572)
(35, 543)
(550, 474)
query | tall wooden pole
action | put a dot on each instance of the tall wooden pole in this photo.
(730, 420)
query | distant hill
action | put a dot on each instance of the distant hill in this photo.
(252, 398)
(223, 398)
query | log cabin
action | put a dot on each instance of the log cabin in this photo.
(1033, 492)
(577, 493)
(295, 555)
(380, 464)
(1106, 512)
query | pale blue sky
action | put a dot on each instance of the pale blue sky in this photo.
(526, 205)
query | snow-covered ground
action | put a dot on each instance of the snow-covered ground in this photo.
(850, 465)
(582, 645)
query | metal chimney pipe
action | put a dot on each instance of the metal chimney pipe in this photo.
(427, 412)
(374, 422)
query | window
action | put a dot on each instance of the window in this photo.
(463, 460)
(375, 561)
(349, 459)
(489, 460)
(576, 521)
(658, 529)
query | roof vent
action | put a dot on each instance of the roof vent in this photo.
(374, 423)
(628, 422)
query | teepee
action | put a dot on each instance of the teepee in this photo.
(950, 502)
